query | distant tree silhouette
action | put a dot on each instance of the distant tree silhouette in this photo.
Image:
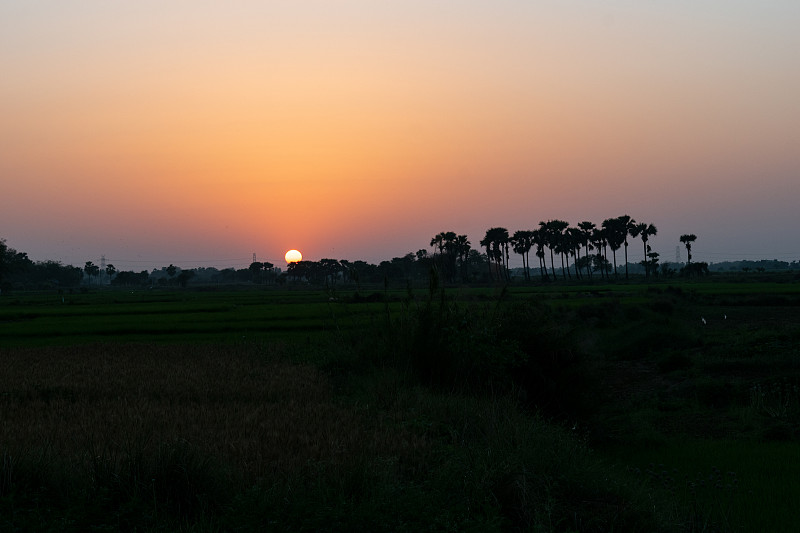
(601, 258)
(91, 270)
(184, 277)
(14, 264)
(110, 271)
(351, 272)
(561, 245)
(298, 270)
(574, 237)
(625, 225)
(645, 231)
(330, 269)
(130, 278)
(615, 237)
(269, 269)
(446, 244)
(503, 252)
(521, 243)
(496, 243)
(3, 260)
(651, 263)
(695, 269)
(488, 242)
(441, 240)
(586, 229)
(256, 268)
(538, 238)
(461, 248)
(687, 240)
(552, 231)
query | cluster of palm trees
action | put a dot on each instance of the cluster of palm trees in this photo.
(578, 242)
(450, 247)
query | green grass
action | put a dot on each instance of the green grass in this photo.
(725, 485)
(177, 317)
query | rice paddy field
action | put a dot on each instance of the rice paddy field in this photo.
(664, 406)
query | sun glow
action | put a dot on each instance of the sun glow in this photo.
(293, 256)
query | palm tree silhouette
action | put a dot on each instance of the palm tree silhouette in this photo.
(553, 232)
(574, 237)
(645, 230)
(528, 235)
(626, 225)
(521, 244)
(600, 242)
(539, 242)
(586, 228)
(548, 240)
(461, 246)
(687, 240)
(496, 244)
(614, 237)
(438, 242)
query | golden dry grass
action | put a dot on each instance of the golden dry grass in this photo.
(248, 408)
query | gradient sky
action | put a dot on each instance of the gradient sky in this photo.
(198, 133)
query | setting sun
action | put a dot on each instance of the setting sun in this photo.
(293, 256)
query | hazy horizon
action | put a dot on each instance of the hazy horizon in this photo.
(199, 133)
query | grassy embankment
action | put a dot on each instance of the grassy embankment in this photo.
(583, 408)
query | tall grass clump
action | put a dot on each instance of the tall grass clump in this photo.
(777, 399)
(494, 346)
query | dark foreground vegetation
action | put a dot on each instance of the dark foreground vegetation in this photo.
(670, 406)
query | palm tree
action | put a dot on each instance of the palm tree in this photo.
(445, 242)
(601, 242)
(486, 242)
(461, 246)
(651, 263)
(528, 235)
(537, 236)
(438, 242)
(574, 237)
(91, 270)
(503, 242)
(614, 237)
(626, 225)
(687, 240)
(645, 230)
(548, 241)
(586, 228)
(496, 243)
(517, 245)
(110, 271)
(553, 231)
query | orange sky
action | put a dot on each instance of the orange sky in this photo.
(197, 133)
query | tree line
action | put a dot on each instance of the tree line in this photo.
(582, 252)
(585, 244)
(17, 269)
(560, 251)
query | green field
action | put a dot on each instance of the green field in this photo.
(589, 407)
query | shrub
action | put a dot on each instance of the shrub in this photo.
(459, 346)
